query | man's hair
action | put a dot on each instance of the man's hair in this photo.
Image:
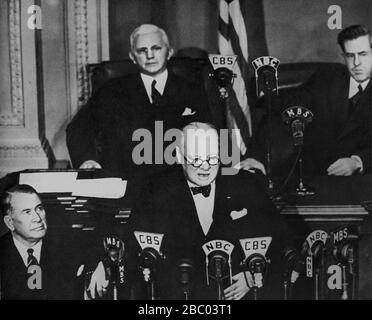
(206, 126)
(148, 28)
(6, 198)
(351, 33)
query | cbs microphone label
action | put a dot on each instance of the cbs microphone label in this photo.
(222, 61)
(258, 245)
(148, 239)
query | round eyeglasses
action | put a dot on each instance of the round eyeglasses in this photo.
(197, 162)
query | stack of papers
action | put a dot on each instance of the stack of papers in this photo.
(67, 182)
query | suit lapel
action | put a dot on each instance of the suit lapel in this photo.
(138, 92)
(340, 102)
(221, 204)
(363, 109)
(181, 194)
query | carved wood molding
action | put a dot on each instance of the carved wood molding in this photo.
(81, 31)
(21, 149)
(16, 116)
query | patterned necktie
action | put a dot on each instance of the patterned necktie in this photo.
(155, 94)
(353, 101)
(205, 190)
(31, 259)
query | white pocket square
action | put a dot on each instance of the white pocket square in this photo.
(238, 214)
(188, 112)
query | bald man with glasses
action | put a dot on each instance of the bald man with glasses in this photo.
(195, 203)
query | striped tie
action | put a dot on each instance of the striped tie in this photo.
(155, 94)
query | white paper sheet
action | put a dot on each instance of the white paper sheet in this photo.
(49, 181)
(112, 188)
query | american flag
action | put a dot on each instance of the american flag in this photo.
(233, 35)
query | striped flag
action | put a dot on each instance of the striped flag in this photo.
(233, 40)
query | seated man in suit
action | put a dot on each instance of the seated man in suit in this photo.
(32, 265)
(154, 99)
(338, 140)
(194, 203)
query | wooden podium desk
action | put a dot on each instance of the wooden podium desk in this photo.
(339, 202)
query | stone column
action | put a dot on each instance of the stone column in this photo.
(22, 143)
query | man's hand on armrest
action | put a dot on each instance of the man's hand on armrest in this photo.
(90, 164)
(345, 166)
(249, 164)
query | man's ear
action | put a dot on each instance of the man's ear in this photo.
(170, 52)
(9, 222)
(131, 56)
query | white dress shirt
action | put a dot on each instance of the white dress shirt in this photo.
(353, 88)
(22, 249)
(161, 80)
(204, 206)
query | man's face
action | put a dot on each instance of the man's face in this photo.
(358, 58)
(27, 217)
(150, 53)
(200, 145)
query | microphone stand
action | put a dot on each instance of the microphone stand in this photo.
(301, 189)
(267, 98)
(351, 272)
(220, 295)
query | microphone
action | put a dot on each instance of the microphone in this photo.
(150, 258)
(256, 265)
(294, 262)
(218, 263)
(218, 266)
(297, 117)
(113, 262)
(266, 73)
(255, 260)
(223, 74)
(344, 253)
(185, 270)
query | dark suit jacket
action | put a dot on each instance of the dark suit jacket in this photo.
(167, 207)
(57, 267)
(332, 134)
(117, 110)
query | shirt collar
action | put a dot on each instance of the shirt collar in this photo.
(22, 249)
(161, 80)
(353, 88)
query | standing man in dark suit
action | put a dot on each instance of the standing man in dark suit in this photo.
(32, 266)
(153, 97)
(195, 203)
(338, 140)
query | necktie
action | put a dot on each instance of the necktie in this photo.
(155, 94)
(205, 190)
(31, 259)
(353, 101)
